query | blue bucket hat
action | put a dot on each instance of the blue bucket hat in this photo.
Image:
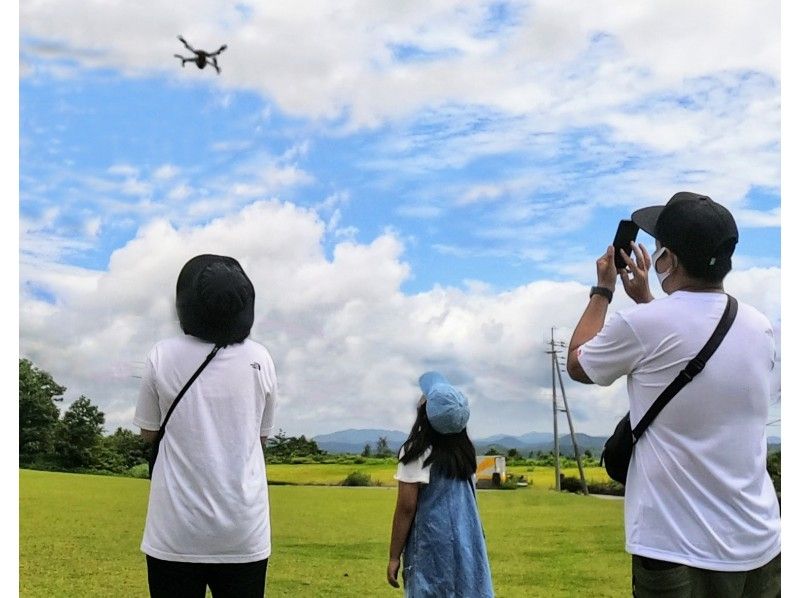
(447, 408)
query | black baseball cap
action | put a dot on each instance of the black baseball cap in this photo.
(701, 232)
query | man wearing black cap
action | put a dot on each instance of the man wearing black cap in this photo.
(701, 514)
(209, 394)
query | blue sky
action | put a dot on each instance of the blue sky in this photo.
(415, 186)
(101, 126)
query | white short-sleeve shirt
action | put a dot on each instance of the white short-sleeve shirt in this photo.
(208, 495)
(697, 492)
(414, 471)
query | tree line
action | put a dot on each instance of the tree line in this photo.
(75, 440)
(381, 450)
(282, 448)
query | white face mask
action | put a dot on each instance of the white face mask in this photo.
(662, 276)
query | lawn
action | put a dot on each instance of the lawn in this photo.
(79, 536)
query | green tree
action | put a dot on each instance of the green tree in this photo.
(129, 446)
(302, 447)
(382, 447)
(78, 435)
(367, 452)
(774, 470)
(38, 414)
(277, 446)
(282, 447)
(105, 456)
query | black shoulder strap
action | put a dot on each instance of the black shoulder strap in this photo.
(694, 367)
(186, 386)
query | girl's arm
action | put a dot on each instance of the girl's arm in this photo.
(404, 513)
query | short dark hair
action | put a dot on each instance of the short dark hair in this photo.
(700, 270)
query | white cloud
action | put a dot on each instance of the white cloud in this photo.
(125, 170)
(133, 186)
(179, 192)
(419, 211)
(347, 341)
(348, 66)
(231, 146)
(122, 193)
(347, 233)
(639, 100)
(298, 150)
(756, 218)
(37, 241)
(166, 172)
(92, 226)
(479, 193)
(333, 202)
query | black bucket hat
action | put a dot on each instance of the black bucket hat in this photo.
(214, 299)
(701, 232)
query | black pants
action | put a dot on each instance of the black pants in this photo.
(653, 578)
(171, 579)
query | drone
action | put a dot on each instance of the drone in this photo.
(201, 57)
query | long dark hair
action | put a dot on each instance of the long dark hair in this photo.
(452, 454)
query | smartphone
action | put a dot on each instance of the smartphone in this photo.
(626, 232)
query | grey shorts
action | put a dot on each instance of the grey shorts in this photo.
(669, 580)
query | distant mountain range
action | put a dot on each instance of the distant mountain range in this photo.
(353, 441)
(539, 441)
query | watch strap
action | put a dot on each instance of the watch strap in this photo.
(603, 291)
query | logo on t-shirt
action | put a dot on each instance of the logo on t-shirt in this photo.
(256, 366)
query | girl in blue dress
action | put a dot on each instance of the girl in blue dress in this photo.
(436, 524)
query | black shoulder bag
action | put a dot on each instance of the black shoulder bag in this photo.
(154, 449)
(619, 448)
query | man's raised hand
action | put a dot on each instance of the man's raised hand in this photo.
(635, 276)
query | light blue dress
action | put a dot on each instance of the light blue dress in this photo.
(445, 553)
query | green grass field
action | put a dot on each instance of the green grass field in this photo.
(382, 471)
(80, 534)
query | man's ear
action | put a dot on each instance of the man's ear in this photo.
(673, 258)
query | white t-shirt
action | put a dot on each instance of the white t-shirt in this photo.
(208, 494)
(414, 472)
(697, 491)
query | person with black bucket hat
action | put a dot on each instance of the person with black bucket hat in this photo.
(207, 402)
(702, 517)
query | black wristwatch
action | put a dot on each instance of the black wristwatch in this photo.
(601, 291)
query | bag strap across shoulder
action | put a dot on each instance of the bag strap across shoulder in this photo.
(186, 386)
(694, 367)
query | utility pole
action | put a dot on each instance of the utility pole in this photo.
(556, 371)
(552, 353)
(572, 432)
